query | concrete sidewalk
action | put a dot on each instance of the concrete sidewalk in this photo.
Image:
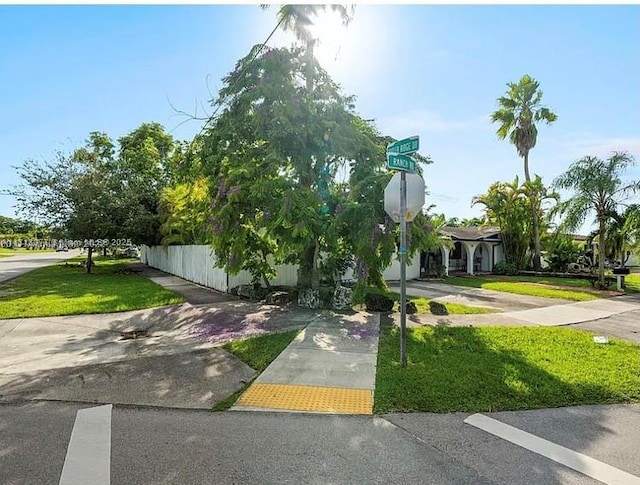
(329, 368)
(191, 292)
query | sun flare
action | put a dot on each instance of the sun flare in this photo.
(329, 30)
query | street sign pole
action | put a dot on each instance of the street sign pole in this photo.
(398, 159)
(403, 269)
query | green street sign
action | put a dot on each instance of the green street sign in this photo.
(401, 162)
(402, 147)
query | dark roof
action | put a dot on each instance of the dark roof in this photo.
(473, 233)
(578, 237)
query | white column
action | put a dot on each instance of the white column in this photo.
(445, 259)
(471, 249)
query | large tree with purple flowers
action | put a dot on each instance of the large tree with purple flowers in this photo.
(296, 175)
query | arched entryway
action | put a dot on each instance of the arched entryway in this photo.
(483, 258)
(458, 257)
(434, 263)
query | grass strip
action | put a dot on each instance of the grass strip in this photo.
(483, 369)
(257, 353)
(66, 289)
(422, 304)
(522, 287)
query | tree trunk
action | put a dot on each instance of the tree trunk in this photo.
(315, 276)
(534, 219)
(601, 242)
(267, 284)
(89, 259)
(536, 241)
(307, 271)
(305, 267)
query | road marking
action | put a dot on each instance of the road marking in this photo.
(88, 457)
(579, 462)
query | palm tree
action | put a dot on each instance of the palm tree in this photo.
(597, 188)
(299, 19)
(620, 239)
(518, 114)
(505, 205)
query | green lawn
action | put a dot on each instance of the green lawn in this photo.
(633, 282)
(481, 369)
(422, 304)
(60, 290)
(257, 353)
(527, 285)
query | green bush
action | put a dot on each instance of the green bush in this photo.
(378, 303)
(505, 268)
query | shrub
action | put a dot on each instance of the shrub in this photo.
(441, 270)
(376, 302)
(505, 268)
(437, 308)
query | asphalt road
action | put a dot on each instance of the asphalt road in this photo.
(160, 446)
(13, 266)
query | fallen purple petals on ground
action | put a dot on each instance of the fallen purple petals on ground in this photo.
(361, 331)
(224, 325)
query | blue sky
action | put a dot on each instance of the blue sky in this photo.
(427, 70)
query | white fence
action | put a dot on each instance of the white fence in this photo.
(197, 264)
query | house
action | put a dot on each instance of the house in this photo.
(475, 249)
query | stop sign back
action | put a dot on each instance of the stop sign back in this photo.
(415, 196)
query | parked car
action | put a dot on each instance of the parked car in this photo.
(131, 252)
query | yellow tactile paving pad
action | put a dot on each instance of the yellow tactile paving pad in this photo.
(308, 398)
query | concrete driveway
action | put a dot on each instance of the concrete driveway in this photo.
(617, 316)
(180, 364)
(502, 302)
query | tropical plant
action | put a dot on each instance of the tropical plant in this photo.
(184, 210)
(620, 238)
(561, 250)
(598, 188)
(519, 112)
(506, 206)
